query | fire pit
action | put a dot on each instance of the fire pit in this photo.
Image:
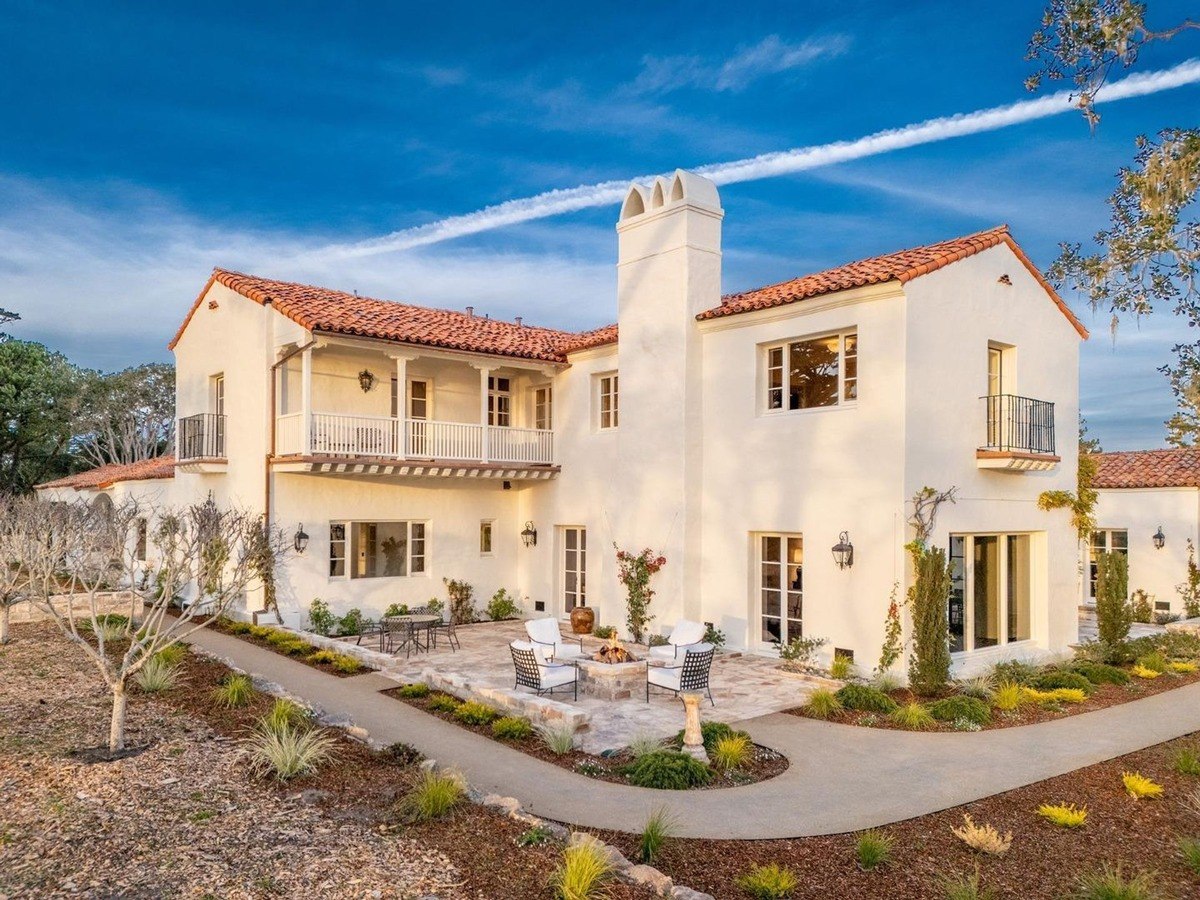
(613, 652)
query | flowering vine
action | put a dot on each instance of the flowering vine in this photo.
(634, 571)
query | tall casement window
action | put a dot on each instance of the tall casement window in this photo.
(377, 549)
(781, 586)
(1108, 540)
(499, 401)
(995, 385)
(543, 399)
(606, 401)
(218, 394)
(812, 372)
(990, 586)
(574, 566)
(485, 537)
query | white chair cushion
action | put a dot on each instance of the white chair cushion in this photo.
(667, 652)
(687, 632)
(540, 652)
(663, 676)
(556, 676)
(543, 631)
(567, 651)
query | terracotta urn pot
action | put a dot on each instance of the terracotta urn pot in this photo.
(583, 619)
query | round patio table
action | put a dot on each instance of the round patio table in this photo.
(422, 622)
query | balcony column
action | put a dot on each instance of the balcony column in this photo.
(484, 372)
(402, 360)
(306, 429)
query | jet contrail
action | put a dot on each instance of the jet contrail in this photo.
(768, 165)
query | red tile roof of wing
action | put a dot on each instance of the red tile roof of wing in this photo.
(325, 310)
(902, 267)
(104, 476)
(1149, 468)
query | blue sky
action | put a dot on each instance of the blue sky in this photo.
(140, 146)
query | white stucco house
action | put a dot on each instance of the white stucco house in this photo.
(1148, 507)
(742, 436)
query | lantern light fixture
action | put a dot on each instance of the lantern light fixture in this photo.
(529, 535)
(1159, 539)
(366, 380)
(843, 551)
(300, 541)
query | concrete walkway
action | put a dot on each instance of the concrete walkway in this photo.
(841, 778)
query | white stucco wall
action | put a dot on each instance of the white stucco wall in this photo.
(1141, 512)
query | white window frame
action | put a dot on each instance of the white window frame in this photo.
(783, 348)
(608, 384)
(579, 595)
(487, 527)
(543, 407)
(218, 394)
(757, 537)
(416, 548)
(1108, 547)
(1002, 638)
(496, 394)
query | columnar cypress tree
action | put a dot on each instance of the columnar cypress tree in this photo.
(929, 663)
(1114, 613)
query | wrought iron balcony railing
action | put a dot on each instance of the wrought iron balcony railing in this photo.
(201, 436)
(1019, 424)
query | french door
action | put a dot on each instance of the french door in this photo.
(573, 566)
(781, 586)
(990, 586)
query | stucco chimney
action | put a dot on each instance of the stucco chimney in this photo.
(668, 271)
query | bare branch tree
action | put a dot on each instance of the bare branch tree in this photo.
(77, 553)
(15, 512)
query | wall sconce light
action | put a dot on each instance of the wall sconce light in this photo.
(1159, 539)
(529, 535)
(300, 541)
(366, 380)
(843, 551)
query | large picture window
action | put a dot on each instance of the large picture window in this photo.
(813, 372)
(1106, 540)
(781, 586)
(377, 549)
(990, 585)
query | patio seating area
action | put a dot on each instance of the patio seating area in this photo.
(611, 704)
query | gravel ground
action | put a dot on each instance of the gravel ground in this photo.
(178, 820)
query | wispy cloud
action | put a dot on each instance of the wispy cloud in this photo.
(770, 56)
(769, 165)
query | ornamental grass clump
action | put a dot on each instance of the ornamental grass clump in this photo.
(1063, 815)
(511, 728)
(983, 838)
(865, 698)
(982, 687)
(1140, 787)
(157, 676)
(559, 739)
(659, 828)
(475, 713)
(1068, 695)
(1187, 762)
(1189, 853)
(433, 796)
(1008, 697)
(1154, 661)
(288, 751)
(841, 667)
(822, 703)
(641, 744)
(731, 752)
(234, 691)
(583, 874)
(667, 770)
(172, 654)
(873, 848)
(970, 709)
(770, 882)
(1182, 667)
(966, 887)
(1111, 884)
(913, 716)
(285, 713)
(1141, 671)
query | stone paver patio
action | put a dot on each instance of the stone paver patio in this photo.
(744, 686)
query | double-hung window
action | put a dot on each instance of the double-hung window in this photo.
(607, 401)
(377, 549)
(1106, 540)
(809, 373)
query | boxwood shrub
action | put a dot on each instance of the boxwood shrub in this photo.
(1099, 673)
(1058, 678)
(960, 707)
(667, 770)
(865, 698)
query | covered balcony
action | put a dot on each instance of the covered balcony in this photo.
(1019, 434)
(350, 407)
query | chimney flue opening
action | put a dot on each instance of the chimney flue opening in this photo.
(470, 310)
(518, 321)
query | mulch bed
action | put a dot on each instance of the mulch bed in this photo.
(1044, 860)
(765, 763)
(363, 785)
(1103, 696)
(223, 627)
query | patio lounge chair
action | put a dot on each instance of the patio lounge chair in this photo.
(545, 633)
(691, 677)
(534, 670)
(686, 633)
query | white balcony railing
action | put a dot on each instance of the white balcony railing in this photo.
(380, 437)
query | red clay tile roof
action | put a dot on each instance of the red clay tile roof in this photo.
(1149, 468)
(336, 312)
(597, 338)
(902, 266)
(104, 476)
